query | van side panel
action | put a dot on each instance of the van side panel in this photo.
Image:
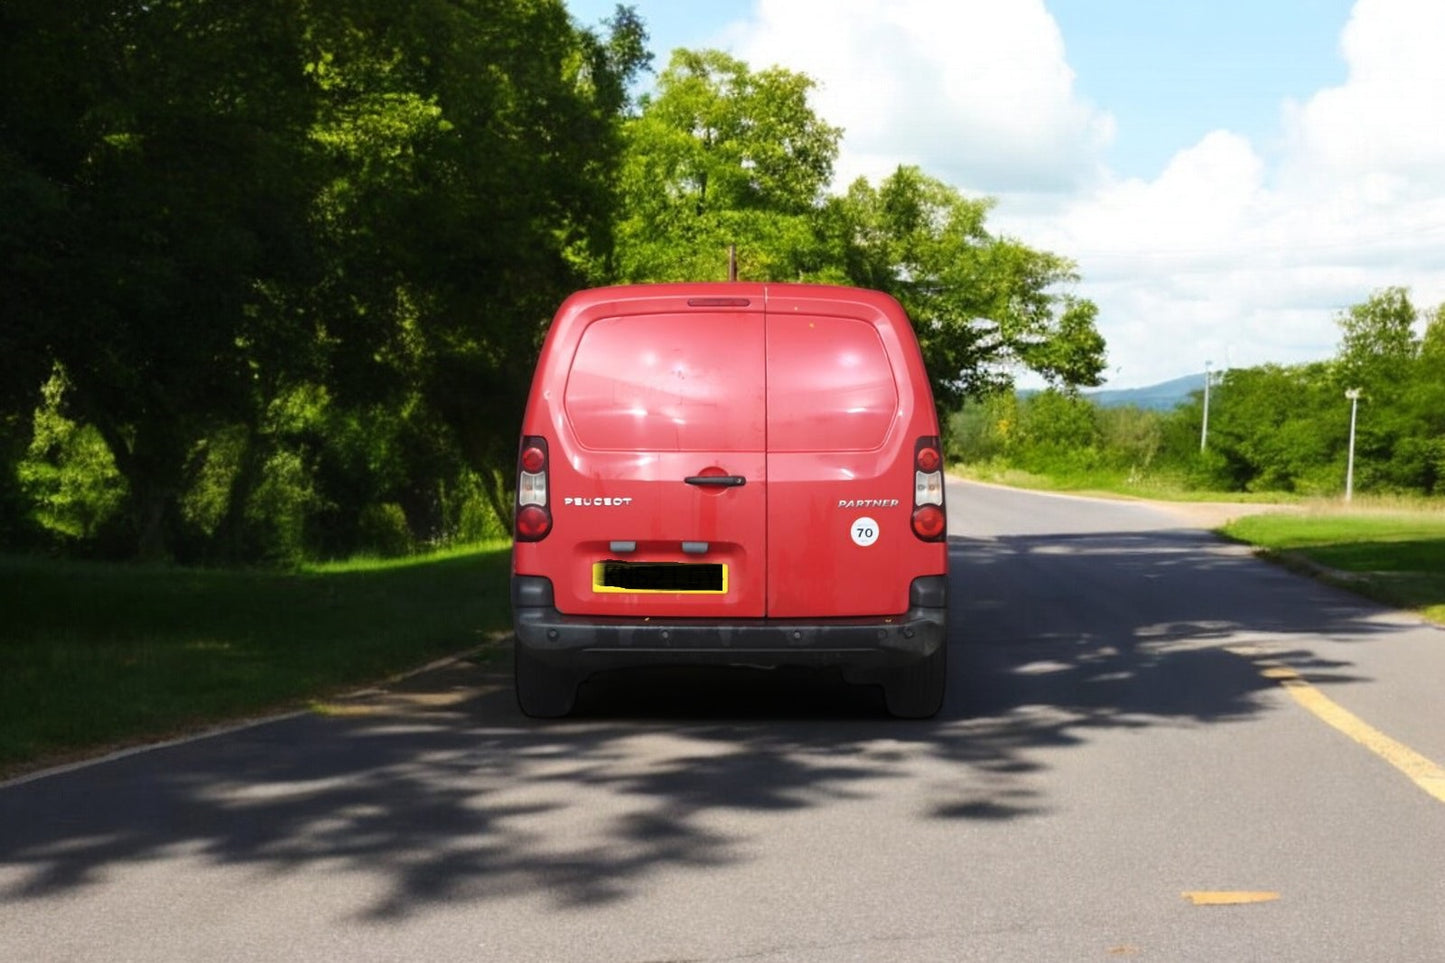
(847, 399)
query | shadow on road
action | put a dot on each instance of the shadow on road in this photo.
(442, 792)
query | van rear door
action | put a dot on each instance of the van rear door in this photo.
(842, 415)
(660, 499)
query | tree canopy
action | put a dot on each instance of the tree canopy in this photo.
(985, 307)
(723, 155)
(233, 228)
(1271, 428)
(275, 273)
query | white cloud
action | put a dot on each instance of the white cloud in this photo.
(1384, 123)
(977, 91)
(1229, 254)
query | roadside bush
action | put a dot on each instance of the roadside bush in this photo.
(1131, 437)
(68, 475)
(278, 512)
(218, 458)
(383, 529)
(981, 430)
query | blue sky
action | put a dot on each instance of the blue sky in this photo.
(1168, 71)
(1228, 174)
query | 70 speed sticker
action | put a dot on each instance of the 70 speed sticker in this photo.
(864, 531)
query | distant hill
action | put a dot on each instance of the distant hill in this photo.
(1160, 397)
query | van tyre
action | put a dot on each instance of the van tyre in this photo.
(915, 691)
(543, 691)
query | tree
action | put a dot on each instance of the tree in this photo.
(1058, 432)
(1428, 400)
(723, 155)
(1402, 435)
(1377, 336)
(474, 148)
(289, 264)
(173, 185)
(984, 306)
(1432, 345)
(226, 225)
(1069, 352)
(1279, 428)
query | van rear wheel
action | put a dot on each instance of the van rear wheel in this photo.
(543, 691)
(915, 691)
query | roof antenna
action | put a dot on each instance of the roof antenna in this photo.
(732, 262)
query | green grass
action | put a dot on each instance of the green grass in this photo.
(1111, 484)
(98, 655)
(1395, 557)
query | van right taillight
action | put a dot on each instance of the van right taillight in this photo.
(930, 521)
(534, 513)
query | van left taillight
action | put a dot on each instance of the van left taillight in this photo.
(930, 522)
(534, 512)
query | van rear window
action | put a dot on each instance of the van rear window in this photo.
(830, 385)
(669, 383)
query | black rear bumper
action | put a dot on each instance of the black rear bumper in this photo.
(591, 643)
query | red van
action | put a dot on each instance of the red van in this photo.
(735, 473)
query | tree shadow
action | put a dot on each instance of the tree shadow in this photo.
(438, 788)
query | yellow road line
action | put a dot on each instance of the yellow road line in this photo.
(1423, 772)
(1228, 898)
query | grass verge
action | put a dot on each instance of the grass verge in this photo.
(94, 656)
(1394, 557)
(1110, 484)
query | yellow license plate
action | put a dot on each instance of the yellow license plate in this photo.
(671, 578)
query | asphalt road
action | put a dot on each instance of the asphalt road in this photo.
(1127, 724)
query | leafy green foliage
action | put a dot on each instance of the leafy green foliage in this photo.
(68, 474)
(176, 191)
(1263, 423)
(209, 210)
(1377, 335)
(983, 306)
(276, 273)
(724, 155)
(1273, 428)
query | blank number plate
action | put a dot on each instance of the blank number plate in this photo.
(674, 578)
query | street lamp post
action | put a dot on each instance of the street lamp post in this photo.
(1354, 395)
(1204, 428)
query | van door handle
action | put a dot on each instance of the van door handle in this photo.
(717, 481)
